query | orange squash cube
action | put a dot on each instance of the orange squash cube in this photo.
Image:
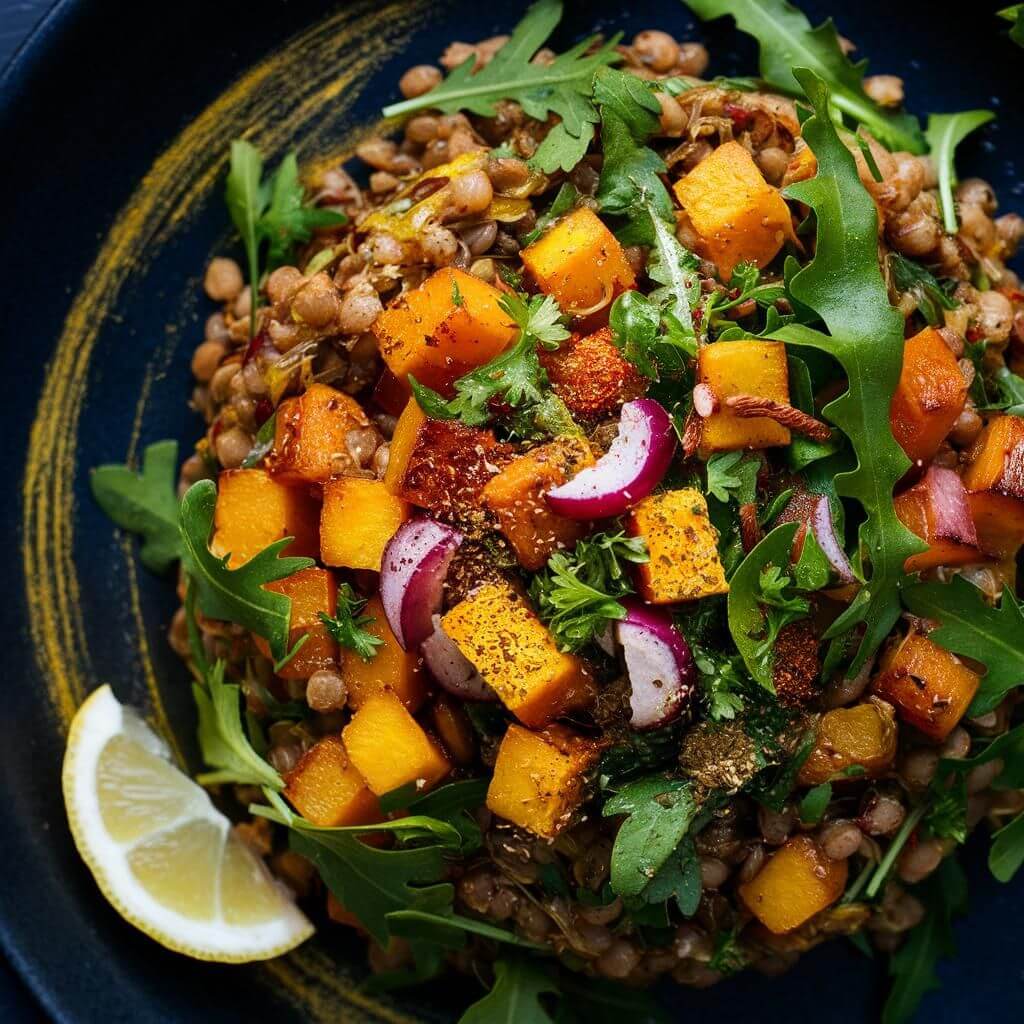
(391, 393)
(441, 330)
(310, 435)
(803, 164)
(390, 670)
(929, 397)
(327, 790)
(797, 882)
(915, 508)
(999, 522)
(403, 440)
(516, 497)
(312, 591)
(731, 368)
(254, 510)
(863, 735)
(997, 458)
(930, 686)
(539, 778)
(737, 214)
(453, 728)
(683, 546)
(390, 748)
(359, 517)
(516, 655)
(580, 262)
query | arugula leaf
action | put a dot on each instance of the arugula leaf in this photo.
(733, 477)
(912, 966)
(675, 269)
(145, 503)
(844, 285)
(561, 87)
(576, 594)
(237, 595)
(975, 629)
(932, 297)
(565, 199)
(347, 624)
(449, 930)
(635, 324)
(1014, 15)
(247, 198)
(1011, 391)
(788, 42)
(659, 812)
(1007, 852)
(946, 132)
(515, 996)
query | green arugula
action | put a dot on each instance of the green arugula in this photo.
(561, 87)
(972, 627)
(577, 592)
(1010, 390)
(1014, 15)
(449, 930)
(145, 503)
(515, 997)
(565, 200)
(1006, 854)
(346, 625)
(237, 595)
(678, 879)
(946, 132)
(932, 296)
(732, 476)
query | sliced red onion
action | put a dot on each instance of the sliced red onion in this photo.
(451, 668)
(705, 403)
(950, 508)
(631, 468)
(413, 569)
(659, 663)
(825, 534)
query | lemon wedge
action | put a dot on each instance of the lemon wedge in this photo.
(164, 856)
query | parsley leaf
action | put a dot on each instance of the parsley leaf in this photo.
(781, 606)
(728, 956)
(721, 682)
(515, 997)
(561, 87)
(732, 476)
(347, 624)
(537, 317)
(145, 503)
(946, 817)
(237, 595)
(945, 132)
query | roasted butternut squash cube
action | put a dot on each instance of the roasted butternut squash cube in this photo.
(359, 517)
(254, 510)
(390, 670)
(918, 510)
(403, 440)
(929, 397)
(863, 735)
(539, 778)
(731, 368)
(683, 548)
(516, 497)
(453, 728)
(516, 655)
(441, 330)
(738, 216)
(803, 164)
(390, 748)
(797, 882)
(310, 435)
(591, 376)
(326, 790)
(580, 262)
(930, 686)
(312, 591)
(997, 458)
(998, 522)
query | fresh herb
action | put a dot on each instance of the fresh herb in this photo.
(885, 865)
(565, 199)
(744, 285)
(782, 606)
(263, 442)
(577, 593)
(728, 956)
(678, 879)
(946, 817)
(450, 931)
(515, 997)
(561, 87)
(1014, 15)
(457, 299)
(722, 682)
(675, 270)
(346, 625)
(1010, 389)
(772, 786)
(145, 503)
(732, 476)
(971, 627)
(787, 42)
(237, 595)
(945, 133)
(814, 803)
(1006, 854)
(638, 753)
(869, 157)
(933, 297)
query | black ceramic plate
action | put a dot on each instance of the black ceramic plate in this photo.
(114, 125)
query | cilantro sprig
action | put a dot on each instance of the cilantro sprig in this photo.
(346, 625)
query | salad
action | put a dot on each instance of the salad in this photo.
(600, 562)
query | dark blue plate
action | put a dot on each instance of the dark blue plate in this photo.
(114, 125)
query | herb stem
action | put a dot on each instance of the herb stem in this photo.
(886, 863)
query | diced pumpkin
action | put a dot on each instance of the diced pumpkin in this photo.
(403, 440)
(359, 517)
(997, 458)
(390, 393)
(390, 748)
(591, 376)
(453, 728)
(441, 330)
(683, 548)
(999, 522)
(863, 735)
(738, 216)
(312, 591)
(516, 497)
(516, 655)
(803, 164)
(930, 686)
(254, 510)
(539, 778)
(327, 790)
(580, 262)
(310, 434)
(797, 882)
(929, 397)
(916, 509)
(731, 368)
(390, 670)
